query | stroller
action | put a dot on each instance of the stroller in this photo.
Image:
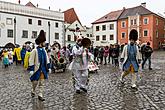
(93, 67)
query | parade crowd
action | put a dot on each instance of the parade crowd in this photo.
(42, 59)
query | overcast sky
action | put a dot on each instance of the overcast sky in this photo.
(90, 10)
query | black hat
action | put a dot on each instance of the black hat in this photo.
(41, 37)
(133, 35)
(148, 43)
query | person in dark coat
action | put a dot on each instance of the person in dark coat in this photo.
(147, 52)
(110, 53)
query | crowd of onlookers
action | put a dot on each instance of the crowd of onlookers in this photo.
(102, 54)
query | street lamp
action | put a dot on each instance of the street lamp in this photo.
(15, 30)
(49, 30)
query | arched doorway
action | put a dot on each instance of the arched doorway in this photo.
(28, 42)
(9, 45)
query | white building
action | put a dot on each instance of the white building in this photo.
(89, 33)
(73, 27)
(105, 29)
(19, 24)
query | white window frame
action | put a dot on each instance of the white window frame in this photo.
(23, 33)
(103, 28)
(147, 32)
(134, 21)
(98, 28)
(98, 39)
(157, 21)
(33, 36)
(122, 36)
(8, 33)
(56, 33)
(110, 37)
(105, 37)
(110, 26)
(122, 24)
(157, 34)
(9, 21)
(147, 20)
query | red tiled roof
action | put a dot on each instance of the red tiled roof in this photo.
(112, 16)
(30, 4)
(70, 16)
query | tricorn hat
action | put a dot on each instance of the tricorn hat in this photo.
(41, 37)
(133, 35)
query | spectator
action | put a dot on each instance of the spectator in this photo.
(147, 52)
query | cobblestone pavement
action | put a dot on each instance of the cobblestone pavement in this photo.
(105, 91)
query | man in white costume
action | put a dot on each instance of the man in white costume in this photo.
(79, 66)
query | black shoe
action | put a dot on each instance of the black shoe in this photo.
(40, 98)
(84, 90)
(32, 94)
(78, 91)
(150, 68)
(134, 88)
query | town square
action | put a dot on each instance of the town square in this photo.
(61, 55)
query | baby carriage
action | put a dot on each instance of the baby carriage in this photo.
(92, 67)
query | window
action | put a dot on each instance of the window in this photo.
(123, 24)
(75, 38)
(9, 21)
(10, 33)
(164, 26)
(90, 35)
(24, 34)
(87, 35)
(145, 21)
(135, 22)
(145, 32)
(157, 21)
(34, 34)
(97, 28)
(104, 37)
(123, 35)
(39, 22)
(97, 38)
(131, 22)
(103, 27)
(56, 25)
(111, 37)
(157, 34)
(69, 37)
(56, 35)
(30, 21)
(111, 26)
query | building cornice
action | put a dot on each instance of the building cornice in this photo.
(18, 9)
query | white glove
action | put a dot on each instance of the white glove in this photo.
(50, 70)
(31, 73)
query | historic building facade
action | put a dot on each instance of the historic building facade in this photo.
(22, 23)
(105, 29)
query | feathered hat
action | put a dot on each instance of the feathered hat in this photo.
(41, 37)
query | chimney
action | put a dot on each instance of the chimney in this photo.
(37, 4)
(49, 7)
(123, 8)
(19, 1)
(143, 4)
